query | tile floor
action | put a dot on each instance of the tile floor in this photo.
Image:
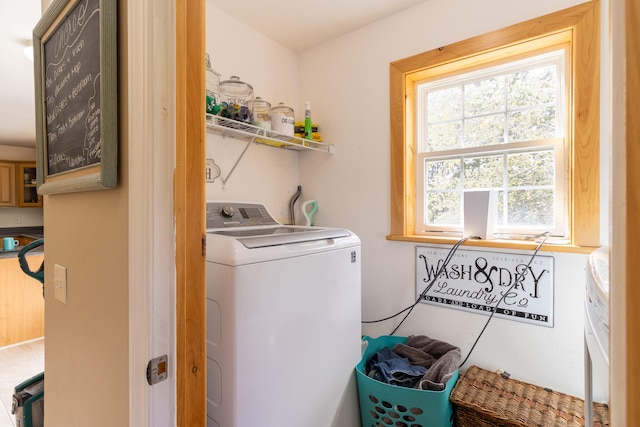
(17, 364)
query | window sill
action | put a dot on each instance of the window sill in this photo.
(497, 243)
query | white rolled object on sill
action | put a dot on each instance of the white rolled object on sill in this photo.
(478, 214)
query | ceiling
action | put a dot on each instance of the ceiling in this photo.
(316, 22)
(301, 24)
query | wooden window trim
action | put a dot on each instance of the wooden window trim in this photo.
(583, 21)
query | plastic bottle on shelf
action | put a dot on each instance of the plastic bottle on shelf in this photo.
(212, 88)
(307, 121)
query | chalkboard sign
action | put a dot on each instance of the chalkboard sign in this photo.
(75, 56)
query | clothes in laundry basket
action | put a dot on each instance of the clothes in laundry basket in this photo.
(386, 366)
(423, 363)
(440, 358)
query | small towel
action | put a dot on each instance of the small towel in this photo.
(440, 358)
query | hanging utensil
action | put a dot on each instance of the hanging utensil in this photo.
(308, 213)
(292, 214)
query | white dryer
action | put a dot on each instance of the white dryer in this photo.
(596, 330)
(283, 321)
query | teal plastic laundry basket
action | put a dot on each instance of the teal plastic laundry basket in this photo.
(384, 405)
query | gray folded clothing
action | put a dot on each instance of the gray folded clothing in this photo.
(440, 358)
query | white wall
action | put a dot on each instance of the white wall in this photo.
(265, 174)
(350, 98)
(29, 217)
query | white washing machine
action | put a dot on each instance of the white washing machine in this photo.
(596, 331)
(283, 321)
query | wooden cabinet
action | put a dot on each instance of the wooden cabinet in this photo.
(21, 302)
(7, 184)
(26, 186)
(17, 185)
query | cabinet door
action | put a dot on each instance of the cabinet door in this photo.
(27, 191)
(7, 184)
(21, 303)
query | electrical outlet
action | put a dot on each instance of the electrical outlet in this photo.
(60, 283)
(17, 220)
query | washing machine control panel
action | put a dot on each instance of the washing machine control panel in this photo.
(236, 214)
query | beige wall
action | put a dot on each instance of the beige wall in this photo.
(86, 357)
(87, 340)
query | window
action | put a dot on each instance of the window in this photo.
(500, 128)
(515, 111)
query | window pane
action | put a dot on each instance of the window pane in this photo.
(531, 169)
(530, 207)
(465, 128)
(444, 136)
(539, 123)
(484, 96)
(442, 174)
(483, 172)
(532, 87)
(485, 130)
(499, 212)
(445, 104)
(443, 208)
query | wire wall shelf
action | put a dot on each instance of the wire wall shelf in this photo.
(246, 132)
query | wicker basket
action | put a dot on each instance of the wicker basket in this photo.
(482, 398)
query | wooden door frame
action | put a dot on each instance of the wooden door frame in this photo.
(189, 209)
(625, 251)
(632, 141)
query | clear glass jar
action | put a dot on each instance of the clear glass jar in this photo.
(236, 99)
(212, 88)
(261, 113)
(282, 119)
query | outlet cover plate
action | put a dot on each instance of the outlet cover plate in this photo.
(60, 283)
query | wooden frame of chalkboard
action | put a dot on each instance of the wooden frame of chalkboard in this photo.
(76, 91)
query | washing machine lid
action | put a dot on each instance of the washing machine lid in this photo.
(253, 238)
